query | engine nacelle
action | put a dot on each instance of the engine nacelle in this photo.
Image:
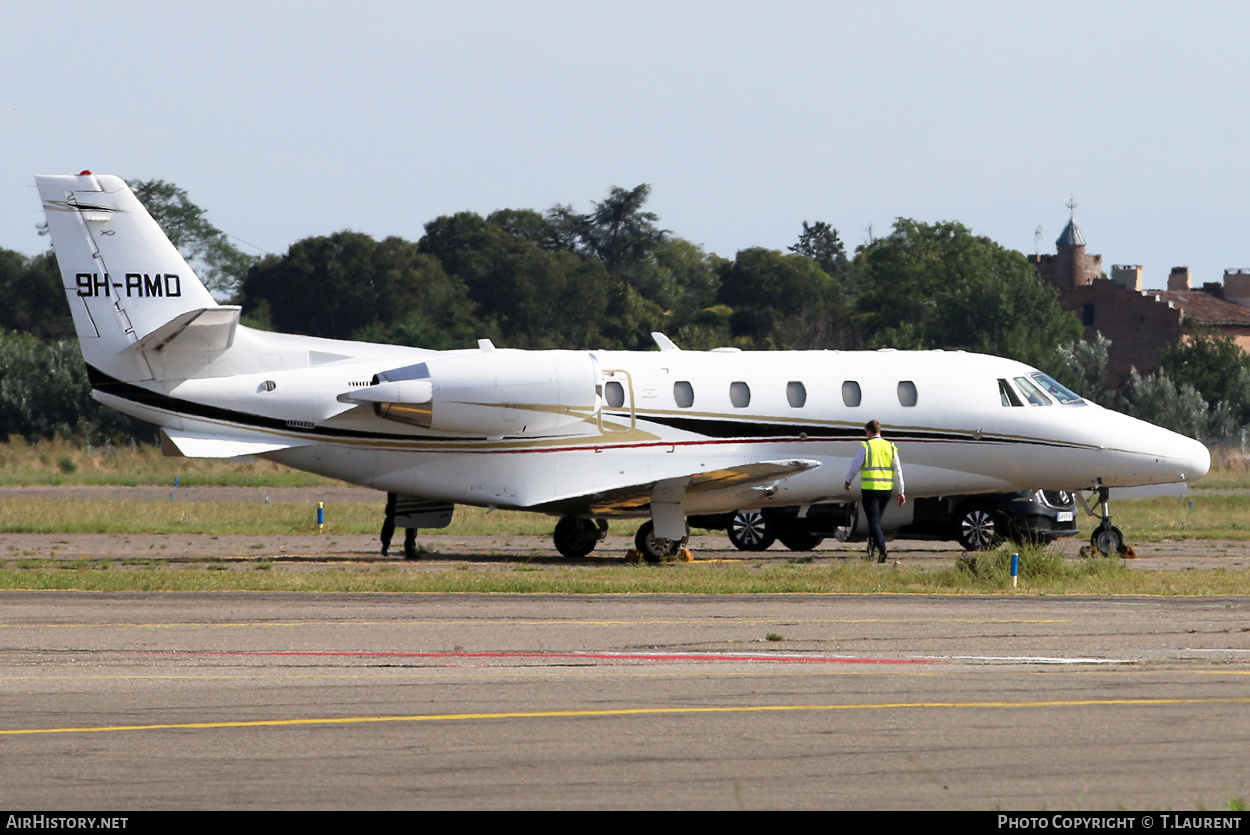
(493, 393)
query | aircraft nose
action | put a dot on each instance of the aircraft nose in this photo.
(1199, 461)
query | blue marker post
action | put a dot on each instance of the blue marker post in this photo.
(321, 516)
(1015, 569)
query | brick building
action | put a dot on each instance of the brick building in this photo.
(1070, 266)
(1140, 323)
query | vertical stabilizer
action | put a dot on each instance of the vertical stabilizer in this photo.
(123, 277)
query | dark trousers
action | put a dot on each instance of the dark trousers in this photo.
(388, 522)
(874, 505)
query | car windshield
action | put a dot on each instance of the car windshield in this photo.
(1061, 393)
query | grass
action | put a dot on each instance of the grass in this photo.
(1212, 516)
(1144, 520)
(1229, 471)
(1196, 516)
(43, 515)
(1041, 573)
(59, 462)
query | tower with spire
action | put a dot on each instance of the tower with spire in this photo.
(1070, 266)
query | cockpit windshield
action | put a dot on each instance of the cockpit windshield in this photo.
(1061, 393)
(1031, 392)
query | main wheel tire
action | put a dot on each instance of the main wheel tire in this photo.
(654, 548)
(1108, 541)
(977, 528)
(575, 536)
(750, 531)
(800, 541)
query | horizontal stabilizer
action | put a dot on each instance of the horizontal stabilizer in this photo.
(205, 329)
(176, 443)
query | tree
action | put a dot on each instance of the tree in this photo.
(34, 297)
(216, 261)
(620, 234)
(1214, 365)
(533, 297)
(1181, 408)
(44, 393)
(689, 278)
(820, 242)
(1083, 368)
(940, 286)
(350, 286)
(782, 301)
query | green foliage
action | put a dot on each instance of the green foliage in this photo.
(940, 286)
(34, 300)
(44, 393)
(820, 242)
(782, 301)
(1083, 368)
(621, 235)
(1215, 366)
(216, 261)
(1181, 408)
(348, 285)
(688, 277)
(532, 297)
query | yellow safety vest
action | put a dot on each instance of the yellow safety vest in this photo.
(878, 470)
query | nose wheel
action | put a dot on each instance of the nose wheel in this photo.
(1106, 539)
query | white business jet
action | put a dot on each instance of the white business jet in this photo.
(583, 435)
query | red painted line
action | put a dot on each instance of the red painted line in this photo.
(782, 659)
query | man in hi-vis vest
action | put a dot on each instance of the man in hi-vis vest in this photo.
(880, 472)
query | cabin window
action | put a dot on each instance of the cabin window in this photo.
(740, 395)
(683, 393)
(796, 394)
(851, 394)
(614, 393)
(907, 393)
(1057, 390)
(1031, 392)
(1008, 394)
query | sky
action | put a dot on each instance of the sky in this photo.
(288, 120)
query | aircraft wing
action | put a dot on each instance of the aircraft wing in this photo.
(697, 491)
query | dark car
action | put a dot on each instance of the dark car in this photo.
(977, 522)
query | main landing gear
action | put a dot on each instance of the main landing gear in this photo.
(577, 536)
(655, 548)
(1106, 539)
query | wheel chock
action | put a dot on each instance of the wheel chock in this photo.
(685, 555)
(1129, 553)
(633, 555)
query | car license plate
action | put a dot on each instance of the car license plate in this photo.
(1065, 516)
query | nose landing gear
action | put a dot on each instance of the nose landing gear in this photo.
(1106, 539)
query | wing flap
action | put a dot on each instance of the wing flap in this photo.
(698, 490)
